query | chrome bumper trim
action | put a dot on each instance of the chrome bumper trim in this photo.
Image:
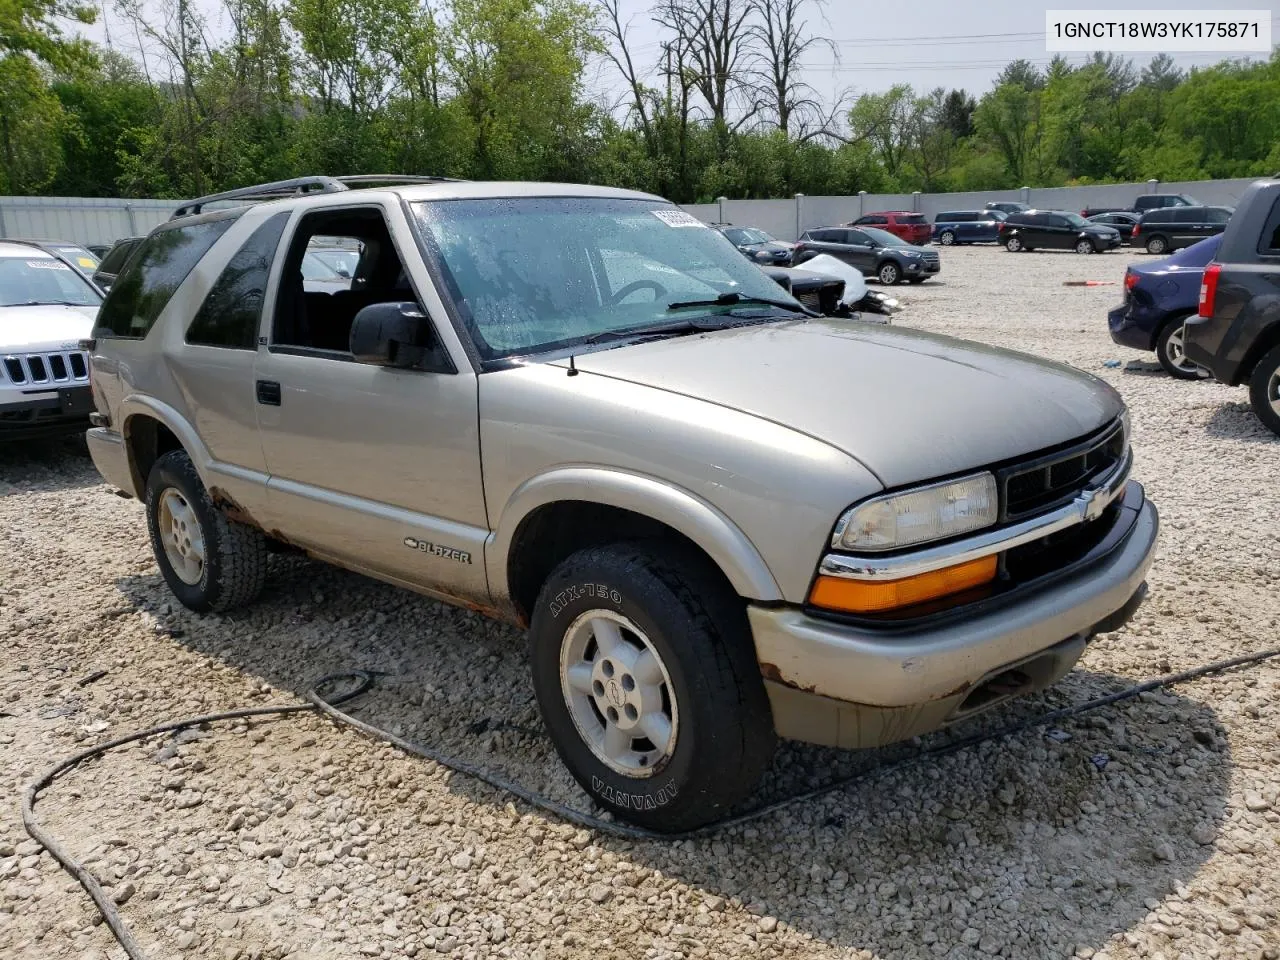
(1088, 505)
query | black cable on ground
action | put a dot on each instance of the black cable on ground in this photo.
(363, 681)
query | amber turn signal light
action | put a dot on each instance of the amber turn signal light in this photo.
(875, 596)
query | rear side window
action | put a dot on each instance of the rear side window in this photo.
(154, 275)
(1269, 242)
(116, 256)
(232, 310)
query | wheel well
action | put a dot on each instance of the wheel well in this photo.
(554, 531)
(147, 439)
(1266, 340)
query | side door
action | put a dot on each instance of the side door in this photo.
(1058, 232)
(376, 468)
(828, 241)
(862, 251)
(1185, 226)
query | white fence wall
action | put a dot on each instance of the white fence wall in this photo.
(787, 219)
(103, 220)
(80, 219)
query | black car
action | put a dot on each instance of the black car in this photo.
(1056, 230)
(1122, 220)
(817, 291)
(114, 261)
(1007, 206)
(756, 245)
(1236, 335)
(1172, 228)
(876, 253)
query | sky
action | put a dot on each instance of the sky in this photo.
(960, 44)
(928, 43)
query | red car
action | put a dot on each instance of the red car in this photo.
(911, 227)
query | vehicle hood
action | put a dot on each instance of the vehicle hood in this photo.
(44, 326)
(909, 405)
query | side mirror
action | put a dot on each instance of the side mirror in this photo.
(391, 335)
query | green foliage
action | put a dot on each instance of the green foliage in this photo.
(495, 89)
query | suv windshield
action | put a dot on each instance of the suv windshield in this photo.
(36, 280)
(746, 235)
(884, 237)
(534, 274)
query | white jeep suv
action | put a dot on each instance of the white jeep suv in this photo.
(46, 308)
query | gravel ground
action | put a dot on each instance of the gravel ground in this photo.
(296, 838)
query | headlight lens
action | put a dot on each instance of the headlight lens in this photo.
(934, 512)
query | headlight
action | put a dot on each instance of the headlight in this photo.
(934, 512)
(763, 255)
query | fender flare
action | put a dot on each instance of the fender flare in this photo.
(134, 405)
(704, 524)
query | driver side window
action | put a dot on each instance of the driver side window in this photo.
(316, 304)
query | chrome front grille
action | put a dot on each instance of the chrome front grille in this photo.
(38, 369)
(1052, 479)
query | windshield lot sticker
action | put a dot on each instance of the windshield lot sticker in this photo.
(677, 218)
(47, 265)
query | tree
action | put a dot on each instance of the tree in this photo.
(713, 39)
(781, 39)
(886, 121)
(957, 113)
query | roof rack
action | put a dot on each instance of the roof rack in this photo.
(300, 186)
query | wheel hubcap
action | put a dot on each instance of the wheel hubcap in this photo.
(888, 275)
(1178, 355)
(1273, 392)
(619, 693)
(1084, 248)
(948, 239)
(181, 536)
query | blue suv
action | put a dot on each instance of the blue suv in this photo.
(967, 226)
(1158, 299)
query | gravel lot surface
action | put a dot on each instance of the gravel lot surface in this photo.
(300, 839)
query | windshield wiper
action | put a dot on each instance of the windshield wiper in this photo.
(51, 303)
(655, 330)
(733, 297)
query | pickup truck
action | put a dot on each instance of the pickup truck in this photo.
(1236, 335)
(1146, 202)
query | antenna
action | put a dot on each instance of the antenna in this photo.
(573, 370)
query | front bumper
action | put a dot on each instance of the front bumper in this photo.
(851, 686)
(922, 268)
(35, 414)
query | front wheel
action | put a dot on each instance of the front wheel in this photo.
(646, 678)
(210, 562)
(1085, 246)
(1170, 352)
(946, 238)
(1013, 244)
(1264, 390)
(889, 273)
(1157, 245)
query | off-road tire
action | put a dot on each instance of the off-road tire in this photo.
(1166, 359)
(1157, 245)
(235, 561)
(1260, 387)
(889, 273)
(724, 735)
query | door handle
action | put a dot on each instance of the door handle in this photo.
(269, 393)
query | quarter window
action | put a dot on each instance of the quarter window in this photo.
(153, 276)
(232, 310)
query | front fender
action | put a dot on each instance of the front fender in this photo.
(679, 509)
